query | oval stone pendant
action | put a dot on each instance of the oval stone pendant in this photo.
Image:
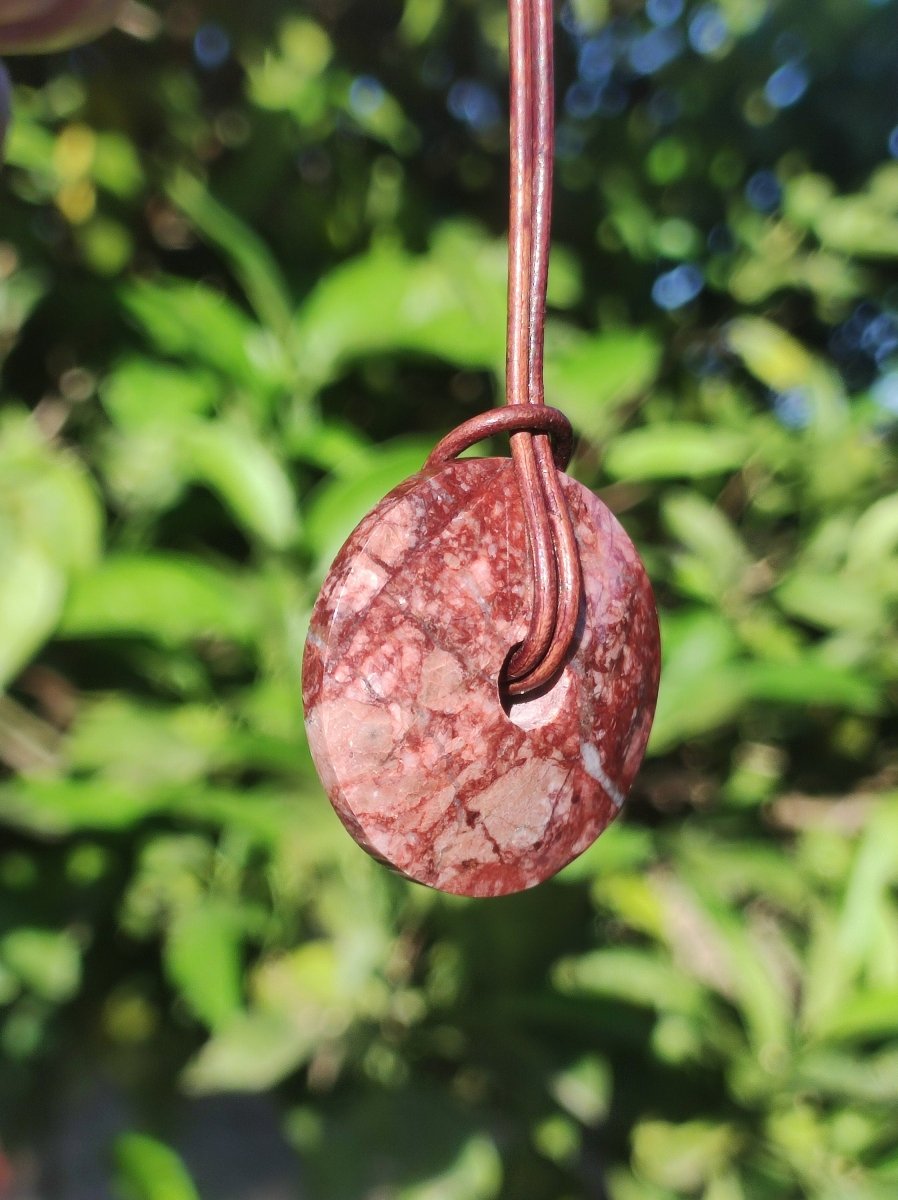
(428, 767)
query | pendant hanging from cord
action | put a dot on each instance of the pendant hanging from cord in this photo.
(482, 664)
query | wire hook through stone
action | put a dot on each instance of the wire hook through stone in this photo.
(554, 554)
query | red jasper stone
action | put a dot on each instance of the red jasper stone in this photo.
(426, 768)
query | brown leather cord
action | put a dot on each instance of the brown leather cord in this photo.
(521, 676)
(554, 554)
(555, 558)
(515, 418)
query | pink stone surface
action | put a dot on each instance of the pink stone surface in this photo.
(401, 685)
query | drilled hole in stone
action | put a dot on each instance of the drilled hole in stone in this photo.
(538, 708)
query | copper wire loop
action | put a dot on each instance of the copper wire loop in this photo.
(554, 555)
(517, 418)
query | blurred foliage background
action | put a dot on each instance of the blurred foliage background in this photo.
(251, 267)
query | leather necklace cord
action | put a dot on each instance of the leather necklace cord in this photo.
(554, 555)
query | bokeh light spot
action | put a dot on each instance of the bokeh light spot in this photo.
(885, 393)
(763, 191)
(792, 408)
(708, 30)
(667, 161)
(654, 50)
(366, 95)
(211, 46)
(675, 288)
(582, 100)
(597, 58)
(664, 12)
(786, 85)
(474, 103)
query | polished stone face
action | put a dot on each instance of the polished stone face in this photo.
(424, 765)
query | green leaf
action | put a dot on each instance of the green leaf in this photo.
(253, 1052)
(591, 14)
(685, 450)
(702, 683)
(849, 946)
(29, 145)
(589, 377)
(246, 475)
(782, 363)
(143, 745)
(170, 445)
(760, 994)
(141, 392)
(302, 1002)
(633, 976)
(162, 597)
(20, 293)
(53, 807)
(117, 166)
(634, 900)
(328, 446)
(203, 958)
(148, 1170)
(46, 961)
(874, 539)
(386, 122)
(739, 870)
(871, 1079)
(684, 1156)
(866, 1015)
(856, 225)
(772, 356)
(448, 303)
(830, 601)
(252, 262)
(419, 20)
(585, 1089)
(47, 501)
(293, 821)
(620, 848)
(475, 1174)
(32, 591)
(716, 567)
(192, 322)
(811, 682)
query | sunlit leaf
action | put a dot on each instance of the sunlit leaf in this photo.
(32, 590)
(141, 392)
(46, 961)
(684, 1156)
(157, 596)
(246, 474)
(252, 261)
(203, 958)
(588, 377)
(253, 1052)
(672, 451)
(149, 1170)
(702, 683)
(192, 322)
